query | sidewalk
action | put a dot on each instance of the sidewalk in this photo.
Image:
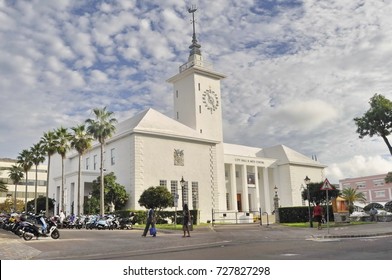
(352, 231)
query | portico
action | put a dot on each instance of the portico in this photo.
(249, 183)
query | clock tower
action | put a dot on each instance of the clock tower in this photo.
(198, 105)
(197, 95)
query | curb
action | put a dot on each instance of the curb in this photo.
(352, 235)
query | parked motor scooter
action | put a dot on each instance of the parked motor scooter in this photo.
(127, 223)
(31, 230)
(104, 222)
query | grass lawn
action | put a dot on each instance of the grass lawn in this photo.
(331, 224)
(171, 226)
(298, 225)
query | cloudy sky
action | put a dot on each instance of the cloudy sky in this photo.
(298, 72)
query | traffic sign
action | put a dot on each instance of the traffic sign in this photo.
(327, 186)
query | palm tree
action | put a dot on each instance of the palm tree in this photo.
(351, 195)
(16, 175)
(62, 147)
(3, 187)
(101, 128)
(81, 141)
(25, 160)
(48, 142)
(38, 157)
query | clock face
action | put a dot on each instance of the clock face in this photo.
(210, 100)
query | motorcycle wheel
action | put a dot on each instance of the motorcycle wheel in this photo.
(27, 236)
(55, 234)
(19, 233)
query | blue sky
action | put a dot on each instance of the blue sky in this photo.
(298, 72)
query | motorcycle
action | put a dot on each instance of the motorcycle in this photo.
(79, 222)
(18, 228)
(31, 230)
(91, 222)
(127, 223)
(105, 222)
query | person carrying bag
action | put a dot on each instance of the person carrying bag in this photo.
(187, 222)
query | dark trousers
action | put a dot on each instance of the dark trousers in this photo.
(148, 224)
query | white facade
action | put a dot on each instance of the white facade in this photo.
(253, 173)
(152, 149)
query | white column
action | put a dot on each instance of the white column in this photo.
(257, 188)
(245, 202)
(267, 202)
(233, 188)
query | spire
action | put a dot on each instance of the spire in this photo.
(195, 47)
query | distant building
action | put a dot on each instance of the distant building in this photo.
(373, 187)
(5, 165)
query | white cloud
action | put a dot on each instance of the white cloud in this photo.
(298, 72)
(305, 115)
(98, 77)
(359, 166)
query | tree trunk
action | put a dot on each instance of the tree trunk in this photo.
(102, 200)
(388, 144)
(36, 189)
(62, 186)
(47, 189)
(16, 186)
(26, 192)
(79, 175)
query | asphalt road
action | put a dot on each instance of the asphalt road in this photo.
(222, 243)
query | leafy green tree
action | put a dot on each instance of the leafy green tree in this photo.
(377, 120)
(16, 175)
(388, 179)
(8, 205)
(81, 141)
(48, 143)
(62, 147)
(41, 204)
(388, 206)
(373, 205)
(3, 187)
(156, 198)
(101, 128)
(25, 160)
(351, 195)
(91, 205)
(317, 195)
(115, 194)
(38, 157)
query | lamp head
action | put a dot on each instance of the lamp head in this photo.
(182, 181)
(307, 180)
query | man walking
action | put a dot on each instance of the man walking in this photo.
(150, 222)
(318, 214)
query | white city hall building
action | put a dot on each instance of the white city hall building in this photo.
(151, 149)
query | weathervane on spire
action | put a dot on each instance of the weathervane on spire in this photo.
(195, 47)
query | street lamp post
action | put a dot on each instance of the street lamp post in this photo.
(89, 203)
(276, 205)
(307, 181)
(182, 182)
(175, 206)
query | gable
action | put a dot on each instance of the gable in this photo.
(153, 122)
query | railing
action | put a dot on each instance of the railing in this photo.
(196, 62)
(236, 217)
